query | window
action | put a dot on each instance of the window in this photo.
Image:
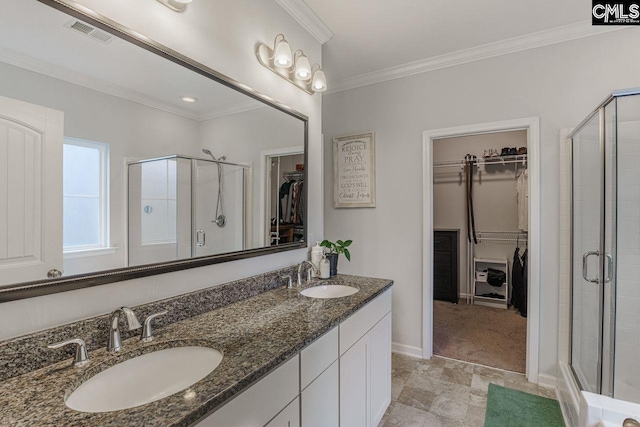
(85, 195)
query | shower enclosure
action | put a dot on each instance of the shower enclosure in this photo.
(605, 248)
(181, 207)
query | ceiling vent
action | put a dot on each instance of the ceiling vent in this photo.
(89, 31)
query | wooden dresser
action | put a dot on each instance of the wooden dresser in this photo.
(446, 262)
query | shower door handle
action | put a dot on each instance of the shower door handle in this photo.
(585, 273)
(609, 268)
(201, 233)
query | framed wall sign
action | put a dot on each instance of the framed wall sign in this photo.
(354, 171)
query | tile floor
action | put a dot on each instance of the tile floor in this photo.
(445, 392)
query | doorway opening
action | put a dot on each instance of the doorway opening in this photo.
(283, 183)
(481, 245)
(480, 219)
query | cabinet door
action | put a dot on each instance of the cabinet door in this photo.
(320, 400)
(289, 417)
(354, 410)
(380, 369)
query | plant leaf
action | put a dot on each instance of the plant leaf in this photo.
(347, 255)
(347, 243)
(340, 242)
(326, 244)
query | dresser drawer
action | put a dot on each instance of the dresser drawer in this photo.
(442, 242)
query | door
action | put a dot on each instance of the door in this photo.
(31, 139)
(320, 405)
(354, 368)
(380, 368)
(588, 222)
(289, 417)
(218, 208)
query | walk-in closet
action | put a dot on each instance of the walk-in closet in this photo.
(480, 220)
(285, 183)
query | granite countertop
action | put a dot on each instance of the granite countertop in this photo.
(255, 336)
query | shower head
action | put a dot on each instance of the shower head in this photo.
(205, 151)
(219, 159)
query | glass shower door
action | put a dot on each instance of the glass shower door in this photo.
(587, 215)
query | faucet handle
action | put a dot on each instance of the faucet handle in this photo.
(82, 357)
(146, 330)
(289, 281)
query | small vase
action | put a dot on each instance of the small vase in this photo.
(333, 261)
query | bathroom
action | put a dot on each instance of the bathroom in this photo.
(171, 166)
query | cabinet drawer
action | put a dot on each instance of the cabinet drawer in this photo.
(257, 405)
(356, 326)
(318, 356)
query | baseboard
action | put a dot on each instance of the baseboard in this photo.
(548, 381)
(406, 350)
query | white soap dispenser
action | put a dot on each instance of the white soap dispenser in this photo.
(325, 268)
(316, 256)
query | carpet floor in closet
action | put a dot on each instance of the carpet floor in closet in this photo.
(488, 336)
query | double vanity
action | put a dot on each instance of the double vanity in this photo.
(318, 354)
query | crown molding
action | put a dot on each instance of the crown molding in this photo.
(73, 77)
(517, 44)
(306, 17)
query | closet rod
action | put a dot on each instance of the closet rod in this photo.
(500, 160)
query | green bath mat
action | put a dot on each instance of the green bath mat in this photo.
(513, 408)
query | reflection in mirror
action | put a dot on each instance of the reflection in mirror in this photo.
(117, 157)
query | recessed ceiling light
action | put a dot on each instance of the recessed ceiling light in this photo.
(190, 99)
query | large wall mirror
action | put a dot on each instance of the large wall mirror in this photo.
(116, 156)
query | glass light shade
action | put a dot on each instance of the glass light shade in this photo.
(303, 68)
(282, 55)
(183, 1)
(319, 82)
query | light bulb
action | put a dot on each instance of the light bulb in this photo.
(282, 55)
(319, 82)
(189, 99)
(303, 68)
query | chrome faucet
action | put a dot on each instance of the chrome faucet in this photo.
(114, 331)
(313, 267)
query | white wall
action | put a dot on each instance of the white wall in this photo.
(222, 35)
(270, 129)
(561, 84)
(494, 193)
(132, 131)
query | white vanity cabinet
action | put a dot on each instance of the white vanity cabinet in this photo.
(341, 379)
(365, 365)
(263, 401)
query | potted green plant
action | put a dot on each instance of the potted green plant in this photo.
(335, 249)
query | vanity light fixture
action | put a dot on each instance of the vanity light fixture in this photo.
(176, 5)
(281, 52)
(302, 68)
(189, 99)
(296, 68)
(319, 82)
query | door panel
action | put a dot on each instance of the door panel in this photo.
(354, 368)
(380, 368)
(31, 140)
(587, 218)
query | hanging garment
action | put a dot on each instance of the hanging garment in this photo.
(471, 222)
(522, 198)
(284, 198)
(525, 267)
(516, 280)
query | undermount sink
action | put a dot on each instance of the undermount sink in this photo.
(144, 379)
(329, 291)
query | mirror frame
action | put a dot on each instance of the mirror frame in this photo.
(32, 289)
